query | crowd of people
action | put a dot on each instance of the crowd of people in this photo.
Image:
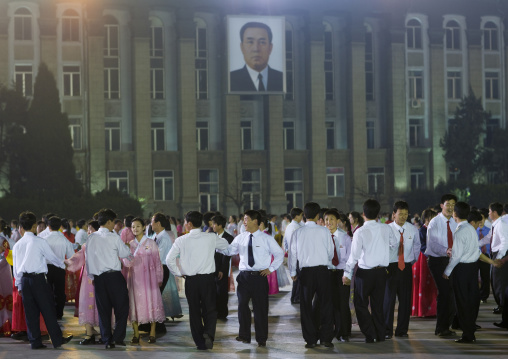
(344, 268)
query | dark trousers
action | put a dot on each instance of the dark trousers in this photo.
(370, 289)
(165, 277)
(445, 301)
(399, 284)
(37, 300)
(295, 292)
(56, 281)
(200, 293)
(111, 294)
(499, 282)
(221, 290)
(316, 281)
(467, 297)
(340, 304)
(252, 286)
(485, 277)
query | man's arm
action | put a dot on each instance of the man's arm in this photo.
(293, 255)
(174, 252)
(278, 254)
(232, 249)
(416, 245)
(457, 251)
(503, 237)
(123, 250)
(356, 252)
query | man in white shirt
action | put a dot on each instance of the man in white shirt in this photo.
(196, 251)
(81, 235)
(399, 282)
(30, 254)
(103, 250)
(45, 218)
(256, 250)
(439, 240)
(297, 216)
(159, 224)
(464, 256)
(312, 247)
(371, 250)
(62, 248)
(499, 249)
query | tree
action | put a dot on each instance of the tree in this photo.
(45, 159)
(495, 157)
(462, 142)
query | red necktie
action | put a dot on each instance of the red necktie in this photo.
(335, 260)
(450, 235)
(402, 265)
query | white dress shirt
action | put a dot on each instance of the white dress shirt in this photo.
(371, 247)
(255, 79)
(437, 236)
(60, 245)
(44, 233)
(30, 255)
(81, 237)
(465, 246)
(411, 243)
(103, 248)
(343, 247)
(164, 243)
(500, 238)
(196, 251)
(311, 246)
(290, 229)
(263, 248)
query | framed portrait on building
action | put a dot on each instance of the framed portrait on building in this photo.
(256, 54)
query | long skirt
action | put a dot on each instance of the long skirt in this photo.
(424, 290)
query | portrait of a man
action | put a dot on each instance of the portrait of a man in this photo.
(256, 75)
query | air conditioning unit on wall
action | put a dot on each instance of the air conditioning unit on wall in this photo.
(416, 103)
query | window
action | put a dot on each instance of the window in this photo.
(70, 26)
(414, 34)
(23, 77)
(111, 37)
(201, 61)
(490, 37)
(251, 188)
(158, 136)
(111, 60)
(492, 127)
(376, 180)
(246, 128)
(22, 24)
(454, 83)
(452, 35)
(156, 60)
(75, 129)
(492, 85)
(289, 66)
(293, 187)
(416, 84)
(417, 179)
(369, 65)
(163, 185)
(118, 180)
(329, 93)
(289, 135)
(72, 81)
(415, 132)
(330, 135)
(209, 190)
(371, 139)
(335, 181)
(202, 135)
(112, 136)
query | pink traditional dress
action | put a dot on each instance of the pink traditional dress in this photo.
(87, 310)
(71, 278)
(273, 284)
(5, 294)
(145, 274)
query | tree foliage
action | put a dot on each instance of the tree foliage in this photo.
(495, 157)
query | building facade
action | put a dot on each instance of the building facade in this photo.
(371, 88)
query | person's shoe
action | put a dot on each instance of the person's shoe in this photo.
(240, 339)
(498, 310)
(344, 338)
(388, 336)
(19, 336)
(121, 343)
(455, 326)
(446, 333)
(208, 341)
(403, 335)
(42, 346)
(262, 344)
(201, 348)
(87, 341)
(310, 345)
(465, 341)
(327, 344)
(501, 325)
(295, 302)
(110, 345)
(67, 339)
(135, 340)
(100, 341)
(223, 319)
(483, 301)
(152, 340)
(370, 340)
(176, 317)
(477, 327)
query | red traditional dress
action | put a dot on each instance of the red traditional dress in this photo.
(71, 278)
(5, 292)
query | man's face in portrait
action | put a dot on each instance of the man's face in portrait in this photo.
(256, 48)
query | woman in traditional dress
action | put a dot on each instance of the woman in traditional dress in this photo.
(71, 277)
(5, 282)
(356, 221)
(273, 284)
(143, 281)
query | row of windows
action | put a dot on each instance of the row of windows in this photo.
(23, 25)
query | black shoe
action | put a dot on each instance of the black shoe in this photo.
(370, 340)
(295, 302)
(446, 333)
(121, 344)
(310, 345)
(135, 340)
(455, 326)
(201, 348)
(344, 338)
(19, 336)
(403, 335)
(388, 336)
(483, 301)
(327, 344)
(498, 310)
(501, 325)
(110, 345)
(42, 346)
(477, 327)
(176, 317)
(223, 319)
(208, 341)
(465, 341)
(87, 341)
(100, 341)
(262, 344)
(67, 339)
(240, 339)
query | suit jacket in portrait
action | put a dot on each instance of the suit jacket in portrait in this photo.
(240, 80)
(222, 261)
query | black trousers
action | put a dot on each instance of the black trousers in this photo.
(467, 297)
(399, 284)
(111, 294)
(253, 286)
(200, 293)
(165, 277)
(316, 281)
(499, 282)
(340, 304)
(445, 302)
(56, 281)
(485, 277)
(37, 300)
(295, 292)
(221, 290)
(370, 287)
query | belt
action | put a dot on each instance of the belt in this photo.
(109, 271)
(251, 272)
(33, 275)
(199, 275)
